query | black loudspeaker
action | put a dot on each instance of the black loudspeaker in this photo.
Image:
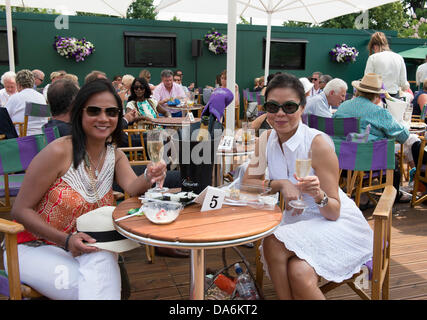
(196, 47)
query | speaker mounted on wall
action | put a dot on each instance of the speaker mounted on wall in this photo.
(196, 47)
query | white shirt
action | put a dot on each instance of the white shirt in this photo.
(421, 74)
(391, 67)
(318, 105)
(16, 108)
(4, 97)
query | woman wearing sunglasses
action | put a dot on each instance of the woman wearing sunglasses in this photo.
(74, 175)
(319, 240)
(140, 99)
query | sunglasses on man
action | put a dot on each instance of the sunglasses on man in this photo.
(94, 111)
(288, 107)
(313, 79)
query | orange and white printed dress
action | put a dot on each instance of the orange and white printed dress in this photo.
(72, 195)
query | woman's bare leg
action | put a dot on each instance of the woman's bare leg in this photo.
(303, 280)
(277, 257)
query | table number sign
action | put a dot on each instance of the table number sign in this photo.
(190, 116)
(226, 143)
(211, 198)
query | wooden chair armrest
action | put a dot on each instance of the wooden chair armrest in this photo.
(139, 162)
(385, 204)
(130, 149)
(10, 227)
(135, 130)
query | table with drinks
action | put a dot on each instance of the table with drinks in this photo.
(195, 230)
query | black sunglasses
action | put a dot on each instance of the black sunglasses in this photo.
(138, 87)
(288, 107)
(94, 111)
(311, 79)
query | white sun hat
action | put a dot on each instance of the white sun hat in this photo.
(307, 84)
(98, 224)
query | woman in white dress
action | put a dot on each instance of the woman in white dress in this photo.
(330, 238)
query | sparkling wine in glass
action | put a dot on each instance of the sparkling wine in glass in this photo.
(302, 169)
(155, 149)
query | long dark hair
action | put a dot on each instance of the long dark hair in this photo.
(286, 80)
(77, 133)
(144, 83)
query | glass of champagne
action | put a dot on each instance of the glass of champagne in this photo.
(155, 149)
(302, 169)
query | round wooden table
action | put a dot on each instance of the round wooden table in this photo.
(185, 109)
(176, 122)
(226, 227)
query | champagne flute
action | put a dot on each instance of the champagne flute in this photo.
(302, 169)
(155, 151)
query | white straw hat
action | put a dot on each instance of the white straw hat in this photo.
(307, 84)
(98, 224)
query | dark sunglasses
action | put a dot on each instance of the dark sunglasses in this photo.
(94, 111)
(315, 79)
(288, 107)
(138, 87)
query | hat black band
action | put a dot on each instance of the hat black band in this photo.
(105, 236)
(364, 86)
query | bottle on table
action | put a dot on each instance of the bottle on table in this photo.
(245, 286)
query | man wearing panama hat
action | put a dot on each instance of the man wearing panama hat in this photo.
(383, 125)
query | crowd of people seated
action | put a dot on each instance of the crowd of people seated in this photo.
(135, 99)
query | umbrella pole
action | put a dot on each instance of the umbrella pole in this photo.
(10, 36)
(267, 49)
(231, 63)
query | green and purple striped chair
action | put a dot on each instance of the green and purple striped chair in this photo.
(334, 127)
(35, 110)
(366, 164)
(255, 96)
(15, 156)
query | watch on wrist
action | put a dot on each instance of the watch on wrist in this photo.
(324, 201)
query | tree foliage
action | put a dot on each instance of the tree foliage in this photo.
(142, 9)
(407, 17)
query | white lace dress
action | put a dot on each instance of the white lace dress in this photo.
(335, 249)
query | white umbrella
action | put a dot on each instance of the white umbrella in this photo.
(109, 7)
(276, 12)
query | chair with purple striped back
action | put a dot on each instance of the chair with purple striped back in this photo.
(335, 127)
(366, 164)
(15, 156)
(35, 110)
(253, 103)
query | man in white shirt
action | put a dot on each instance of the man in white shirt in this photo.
(421, 74)
(16, 104)
(8, 81)
(315, 79)
(332, 96)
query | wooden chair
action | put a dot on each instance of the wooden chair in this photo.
(379, 271)
(366, 164)
(138, 153)
(15, 156)
(255, 96)
(420, 117)
(35, 110)
(334, 127)
(420, 176)
(130, 151)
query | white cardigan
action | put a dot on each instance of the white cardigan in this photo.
(391, 67)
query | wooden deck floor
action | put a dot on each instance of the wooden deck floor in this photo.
(168, 278)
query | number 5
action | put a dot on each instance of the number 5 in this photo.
(214, 202)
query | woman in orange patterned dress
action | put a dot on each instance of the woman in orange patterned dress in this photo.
(71, 176)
